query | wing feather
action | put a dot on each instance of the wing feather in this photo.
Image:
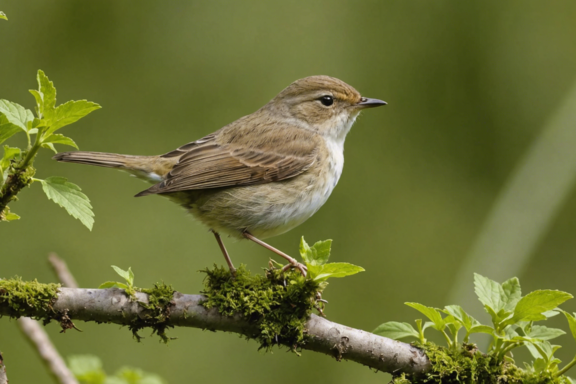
(212, 163)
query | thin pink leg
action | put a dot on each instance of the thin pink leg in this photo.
(293, 262)
(224, 252)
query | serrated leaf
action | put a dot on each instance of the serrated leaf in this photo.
(50, 146)
(38, 96)
(124, 274)
(318, 254)
(3, 16)
(512, 293)
(60, 139)
(305, 251)
(489, 292)
(16, 114)
(69, 113)
(531, 306)
(46, 94)
(112, 284)
(69, 197)
(544, 333)
(326, 271)
(395, 330)
(7, 129)
(458, 312)
(322, 251)
(571, 323)
(431, 313)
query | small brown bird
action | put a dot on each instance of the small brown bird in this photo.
(262, 174)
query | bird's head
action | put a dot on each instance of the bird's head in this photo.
(323, 103)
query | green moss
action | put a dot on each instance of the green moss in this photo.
(158, 311)
(23, 295)
(469, 365)
(279, 302)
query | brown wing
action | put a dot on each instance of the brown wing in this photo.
(236, 158)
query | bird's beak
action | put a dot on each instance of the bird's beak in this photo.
(370, 103)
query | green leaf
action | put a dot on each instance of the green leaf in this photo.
(69, 197)
(458, 312)
(482, 329)
(571, 323)
(10, 154)
(16, 114)
(326, 271)
(531, 306)
(11, 216)
(60, 139)
(316, 255)
(45, 96)
(123, 274)
(7, 129)
(8, 216)
(130, 276)
(50, 146)
(489, 292)
(432, 313)
(69, 113)
(395, 330)
(87, 369)
(112, 284)
(512, 293)
(3, 16)
(544, 333)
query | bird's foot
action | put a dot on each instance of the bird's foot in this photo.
(294, 264)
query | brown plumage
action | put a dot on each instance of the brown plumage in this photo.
(264, 173)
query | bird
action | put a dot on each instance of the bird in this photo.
(261, 175)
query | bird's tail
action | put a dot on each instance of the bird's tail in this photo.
(150, 168)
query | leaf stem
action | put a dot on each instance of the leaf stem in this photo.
(29, 159)
(447, 339)
(566, 367)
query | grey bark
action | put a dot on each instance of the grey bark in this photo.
(3, 377)
(339, 341)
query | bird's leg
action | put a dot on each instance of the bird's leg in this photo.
(293, 262)
(224, 252)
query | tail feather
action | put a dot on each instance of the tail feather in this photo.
(101, 159)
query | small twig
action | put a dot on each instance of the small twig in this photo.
(39, 338)
(3, 377)
(61, 270)
(50, 356)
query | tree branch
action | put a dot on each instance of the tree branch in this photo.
(50, 356)
(339, 341)
(3, 377)
(38, 337)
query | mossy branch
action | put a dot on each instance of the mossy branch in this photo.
(49, 302)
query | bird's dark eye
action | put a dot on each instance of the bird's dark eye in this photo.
(327, 100)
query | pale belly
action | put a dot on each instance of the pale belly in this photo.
(264, 210)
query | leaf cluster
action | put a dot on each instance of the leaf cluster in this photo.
(513, 324)
(316, 259)
(88, 370)
(40, 130)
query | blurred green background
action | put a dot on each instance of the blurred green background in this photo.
(470, 85)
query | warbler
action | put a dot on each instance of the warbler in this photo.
(260, 175)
